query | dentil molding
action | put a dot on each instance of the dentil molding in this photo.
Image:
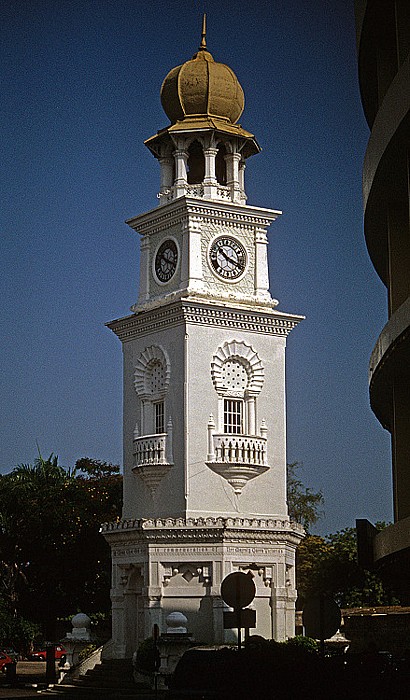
(195, 310)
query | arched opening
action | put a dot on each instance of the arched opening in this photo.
(196, 164)
(220, 164)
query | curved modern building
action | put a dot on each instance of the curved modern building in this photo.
(383, 40)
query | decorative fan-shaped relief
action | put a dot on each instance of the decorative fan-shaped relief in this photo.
(236, 367)
(152, 372)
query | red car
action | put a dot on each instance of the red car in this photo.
(4, 660)
(40, 655)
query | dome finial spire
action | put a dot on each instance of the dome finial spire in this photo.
(203, 34)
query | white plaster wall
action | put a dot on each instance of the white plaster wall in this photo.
(208, 492)
(191, 488)
(191, 351)
(168, 499)
(198, 611)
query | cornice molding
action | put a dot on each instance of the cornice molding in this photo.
(244, 531)
(193, 311)
(184, 208)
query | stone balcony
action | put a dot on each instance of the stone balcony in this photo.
(237, 458)
(150, 449)
(153, 457)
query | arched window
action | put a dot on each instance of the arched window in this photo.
(238, 375)
(151, 380)
(220, 164)
(196, 164)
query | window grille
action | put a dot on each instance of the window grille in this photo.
(233, 416)
(159, 415)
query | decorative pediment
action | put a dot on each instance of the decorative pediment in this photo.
(152, 372)
(236, 367)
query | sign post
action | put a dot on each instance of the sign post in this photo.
(157, 660)
(321, 618)
(238, 590)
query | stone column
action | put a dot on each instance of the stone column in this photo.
(118, 632)
(169, 456)
(232, 175)
(181, 165)
(152, 613)
(220, 425)
(211, 431)
(279, 602)
(144, 269)
(191, 258)
(242, 166)
(210, 182)
(261, 264)
(290, 612)
(251, 418)
(218, 607)
(167, 171)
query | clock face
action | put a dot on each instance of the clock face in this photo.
(166, 260)
(228, 258)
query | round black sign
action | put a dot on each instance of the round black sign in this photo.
(238, 590)
(321, 617)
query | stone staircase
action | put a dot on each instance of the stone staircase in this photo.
(109, 679)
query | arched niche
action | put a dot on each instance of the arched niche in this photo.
(220, 164)
(196, 163)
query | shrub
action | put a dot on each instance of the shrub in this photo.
(303, 644)
(147, 656)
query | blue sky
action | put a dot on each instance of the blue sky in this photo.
(81, 81)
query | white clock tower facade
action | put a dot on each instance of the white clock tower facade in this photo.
(204, 385)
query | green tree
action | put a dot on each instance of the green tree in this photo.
(56, 560)
(303, 504)
(16, 632)
(329, 565)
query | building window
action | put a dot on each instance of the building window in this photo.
(233, 416)
(159, 417)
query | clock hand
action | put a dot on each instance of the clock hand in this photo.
(233, 261)
(167, 261)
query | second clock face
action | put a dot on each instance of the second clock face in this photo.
(227, 257)
(166, 260)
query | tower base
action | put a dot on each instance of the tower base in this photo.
(178, 564)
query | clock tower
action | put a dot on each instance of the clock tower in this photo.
(204, 384)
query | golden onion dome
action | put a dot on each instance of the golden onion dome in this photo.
(202, 86)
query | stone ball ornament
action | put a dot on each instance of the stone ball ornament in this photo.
(80, 621)
(176, 623)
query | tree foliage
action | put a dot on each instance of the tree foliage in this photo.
(52, 556)
(303, 504)
(329, 565)
(16, 632)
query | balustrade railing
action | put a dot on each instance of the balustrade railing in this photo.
(223, 192)
(239, 449)
(150, 449)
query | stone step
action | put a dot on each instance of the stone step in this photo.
(111, 678)
(81, 693)
(117, 673)
(90, 681)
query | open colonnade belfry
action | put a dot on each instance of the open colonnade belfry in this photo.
(204, 384)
